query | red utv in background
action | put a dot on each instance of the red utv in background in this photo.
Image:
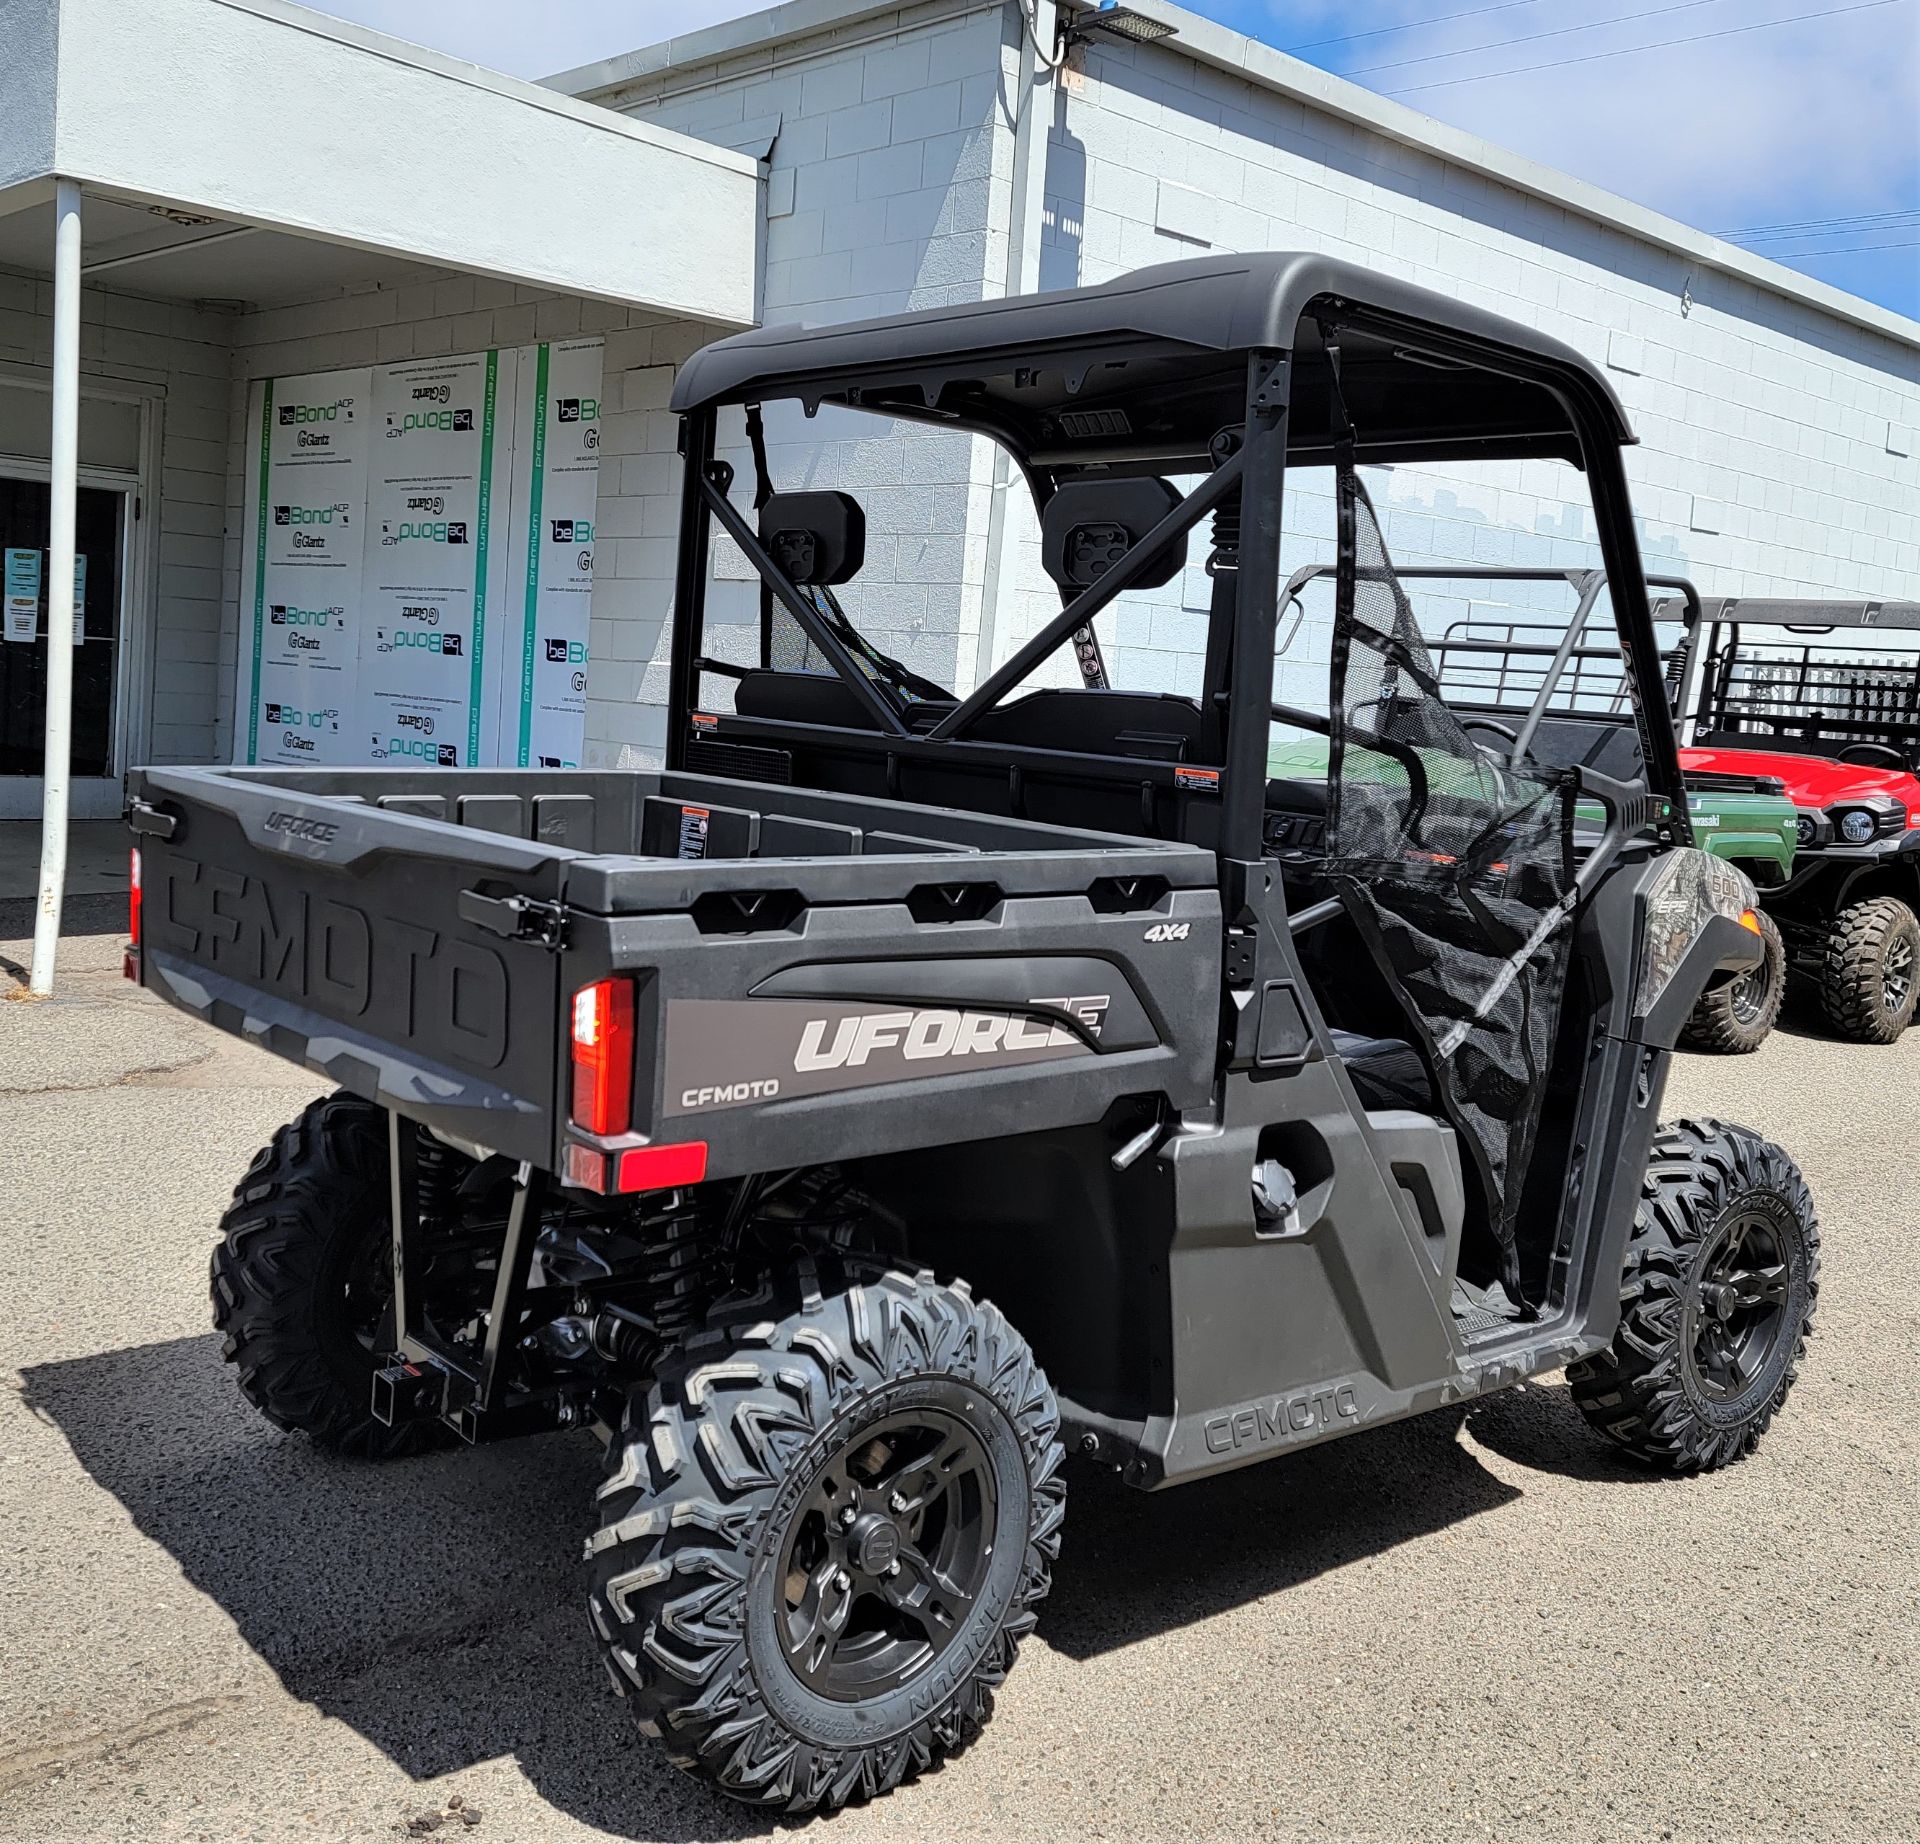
(1824, 697)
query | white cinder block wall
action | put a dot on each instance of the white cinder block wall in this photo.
(1776, 451)
(890, 149)
(432, 312)
(1777, 440)
(175, 356)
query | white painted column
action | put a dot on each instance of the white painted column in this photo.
(65, 465)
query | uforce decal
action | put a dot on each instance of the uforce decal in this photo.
(722, 1053)
(298, 826)
(921, 1035)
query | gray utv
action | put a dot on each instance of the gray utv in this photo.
(899, 1091)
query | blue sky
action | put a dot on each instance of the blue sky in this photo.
(1793, 124)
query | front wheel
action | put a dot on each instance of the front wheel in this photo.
(1716, 1302)
(1870, 970)
(825, 1531)
(1736, 1017)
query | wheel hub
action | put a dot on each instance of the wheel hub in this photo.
(887, 1555)
(875, 1545)
(1740, 1311)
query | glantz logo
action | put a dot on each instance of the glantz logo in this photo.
(424, 531)
(445, 421)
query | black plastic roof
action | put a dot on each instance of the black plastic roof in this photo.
(1036, 368)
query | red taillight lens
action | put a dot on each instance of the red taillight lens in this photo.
(130, 961)
(603, 1057)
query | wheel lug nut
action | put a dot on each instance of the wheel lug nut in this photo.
(842, 1580)
(847, 1514)
(897, 1504)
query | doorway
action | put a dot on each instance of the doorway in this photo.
(100, 548)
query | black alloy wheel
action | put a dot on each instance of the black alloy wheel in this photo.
(826, 1527)
(1717, 1293)
(888, 1555)
(1896, 973)
(1737, 1308)
(1868, 974)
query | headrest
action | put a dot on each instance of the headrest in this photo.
(818, 538)
(1089, 525)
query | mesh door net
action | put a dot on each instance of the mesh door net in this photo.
(1457, 867)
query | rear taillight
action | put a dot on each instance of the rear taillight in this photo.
(130, 966)
(602, 1100)
(637, 1168)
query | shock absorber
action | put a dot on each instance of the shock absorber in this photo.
(675, 1257)
(438, 1170)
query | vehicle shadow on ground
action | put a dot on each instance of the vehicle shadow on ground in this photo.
(435, 1606)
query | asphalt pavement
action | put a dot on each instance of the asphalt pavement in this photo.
(1440, 1630)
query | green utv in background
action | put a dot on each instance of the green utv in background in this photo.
(1536, 679)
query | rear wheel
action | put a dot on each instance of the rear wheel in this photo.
(1736, 1017)
(1870, 971)
(827, 1527)
(303, 1280)
(1716, 1302)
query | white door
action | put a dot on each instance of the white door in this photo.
(100, 543)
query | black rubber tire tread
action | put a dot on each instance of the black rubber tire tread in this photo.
(316, 1187)
(1633, 1392)
(1713, 1028)
(693, 1477)
(1851, 986)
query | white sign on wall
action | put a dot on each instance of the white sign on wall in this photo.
(300, 593)
(394, 607)
(432, 573)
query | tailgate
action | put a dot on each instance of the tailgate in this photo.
(337, 934)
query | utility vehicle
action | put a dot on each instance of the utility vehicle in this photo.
(1526, 682)
(901, 1089)
(1825, 700)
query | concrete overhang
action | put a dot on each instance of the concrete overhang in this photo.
(249, 148)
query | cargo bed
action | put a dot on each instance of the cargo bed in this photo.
(920, 975)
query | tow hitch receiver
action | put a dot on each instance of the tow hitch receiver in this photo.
(409, 1392)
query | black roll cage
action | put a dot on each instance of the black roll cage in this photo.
(1253, 458)
(1710, 654)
